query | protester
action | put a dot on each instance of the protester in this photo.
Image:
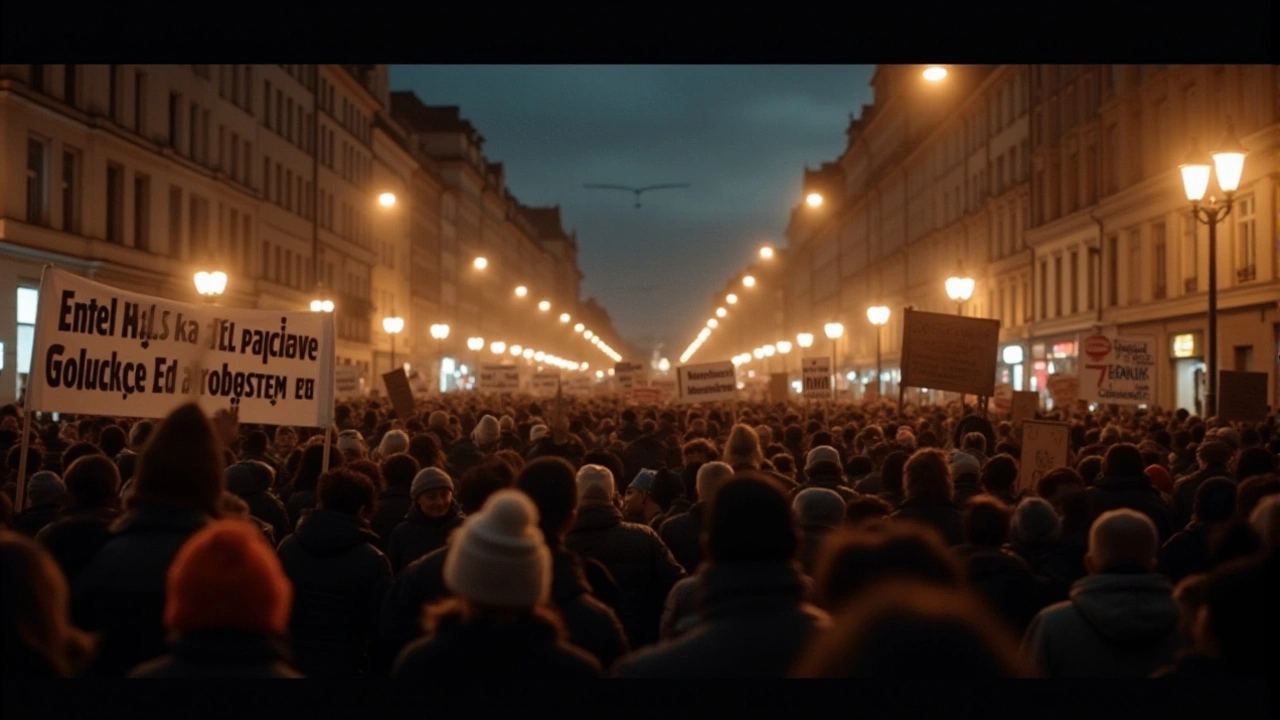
(426, 526)
(39, 638)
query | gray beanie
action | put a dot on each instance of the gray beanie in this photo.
(486, 431)
(498, 556)
(44, 488)
(429, 479)
(819, 507)
(395, 441)
(438, 419)
(1034, 520)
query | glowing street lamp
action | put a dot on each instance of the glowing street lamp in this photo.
(475, 343)
(393, 325)
(387, 199)
(440, 331)
(527, 354)
(480, 263)
(731, 298)
(664, 365)
(935, 73)
(544, 306)
(516, 350)
(805, 340)
(960, 288)
(521, 291)
(497, 347)
(564, 317)
(588, 334)
(579, 328)
(766, 253)
(878, 316)
(211, 285)
(721, 312)
(322, 306)
(834, 331)
(749, 281)
(712, 323)
(814, 199)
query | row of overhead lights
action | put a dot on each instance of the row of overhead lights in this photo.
(748, 281)
(497, 347)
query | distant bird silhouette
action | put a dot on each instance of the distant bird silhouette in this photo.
(637, 191)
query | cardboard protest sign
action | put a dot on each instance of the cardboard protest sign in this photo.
(1120, 371)
(668, 388)
(949, 352)
(815, 376)
(578, 385)
(545, 385)
(708, 382)
(107, 351)
(498, 379)
(346, 382)
(1002, 399)
(1044, 448)
(1025, 405)
(779, 389)
(645, 396)
(1065, 391)
(1242, 396)
(400, 393)
(626, 375)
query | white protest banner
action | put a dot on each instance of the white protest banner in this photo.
(578, 385)
(1065, 391)
(346, 382)
(498, 379)
(101, 350)
(626, 375)
(949, 352)
(816, 374)
(708, 382)
(1120, 371)
(1044, 448)
(545, 385)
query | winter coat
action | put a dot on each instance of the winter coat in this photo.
(638, 560)
(418, 535)
(263, 504)
(299, 503)
(754, 624)
(339, 582)
(1187, 552)
(964, 488)
(35, 518)
(645, 452)
(811, 537)
(1057, 563)
(463, 456)
(869, 484)
(1184, 493)
(1006, 581)
(682, 535)
(75, 537)
(679, 506)
(1116, 625)
(464, 654)
(120, 593)
(393, 506)
(1112, 493)
(680, 611)
(943, 516)
(591, 625)
(510, 440)
(222, 654)
(830, 482)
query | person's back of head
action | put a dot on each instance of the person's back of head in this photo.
(37, 611)
(112, 440)
(711, 477)
(855, 559)
(818, 508)
(93, 481)
(974, 441)
(1035, 521)
(1122, 541)
(482, 480)
(1123, 460)
(1215, 500)
(999, 474)
(345, 491)
(1213, 452)
(667, 487)
(1240, 606)
(1265, 519)
(181, 465)
(1254, 461)
(743, 447)
(863, 509)
(1055, 481)
(399, 470)
(858, 466)
(255, 443)
(985, 522)
(551, 484)
(426, 450)
(907, 628)
(1090, 469)
(927, 476)
(750, 521)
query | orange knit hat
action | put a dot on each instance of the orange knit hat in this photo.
(227, 576)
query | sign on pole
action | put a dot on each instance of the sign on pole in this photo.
(949, 352)
(546, 385)
(498, 379)
(400, 393)
(1242, 396)
(1044, 448)
(346, 380)
(708, 382)
(113, 352)
(626, 374)
(1118, 370)
(1065, 391)
(815, 375)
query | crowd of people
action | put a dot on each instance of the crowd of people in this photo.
(496, 538)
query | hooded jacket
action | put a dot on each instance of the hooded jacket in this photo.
(1116, 625)
(418, 535)
(339, 581)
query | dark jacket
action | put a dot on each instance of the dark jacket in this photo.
(869, 484)
(393, 506)
(1007, 583)
(463, 456)
(298, 504)
(638, 560)
(811, 537)
(1057, 563)
(1187, 552)
(510, 440)
(895, 499)
(645, 452)
(33, 519)
(120, 593)
(942, 516)
(591, 624)
(965, 487)
(830, 482)
(754, 624)
(222, 654)
(683, 537)
(263, 504)
(75, 537)
(1184, 493)
(1112, 493)
(418, 535)
(339, 581)
(462, 654)
(679, 506)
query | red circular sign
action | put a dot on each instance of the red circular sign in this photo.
(1097, 346)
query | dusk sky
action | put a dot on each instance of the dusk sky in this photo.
(740, 135)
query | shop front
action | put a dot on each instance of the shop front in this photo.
(1053, 357)
(1186, 359)
(1011, 368)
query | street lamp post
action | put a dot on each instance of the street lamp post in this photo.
(1228, 162)
(960, 288)
(211, 285)
(878, 316)
(834, 331)
(393, 325)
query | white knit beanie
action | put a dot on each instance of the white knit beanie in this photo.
(395, 441)
(486, 431)
(498, 557)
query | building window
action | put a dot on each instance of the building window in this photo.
(1135, 265)
(175, 221)
(141, 211)
(1243, 358)
(1091, 174)
(175, 102)
(1190, 255)
(235, 156)
(70, 191)
(248, 89)
(1246, 241)
(70, 84)
(248, 164)
(37, 182)
(1113, 270)
(1092, 280)
(288, 189)
(199, 234)
(193, 129)
(1160, 268)
(1113, 159)
(1026, 301)
(222, 148)
(1057, 287)
(1044, 289)
(115, 203)
(139, 102)
(28, 301)
(204, 136)
(1075, 282)
(266, 104)
(266, 177)
(265, 270)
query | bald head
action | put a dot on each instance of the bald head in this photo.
(711, 476)
(1122, 541)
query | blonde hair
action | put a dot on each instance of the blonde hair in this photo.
(37, 606)
(743, 448)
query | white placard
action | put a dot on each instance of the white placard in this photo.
(545, 385)
(816, 375)
(579, 385)
(346, 382)
(106, 351)
(498, 379)
(1044, 448)
(708, 382)
(1118, 370)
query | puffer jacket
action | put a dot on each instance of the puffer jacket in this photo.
(591, 624)
(638, 560)
(1116, 625)
(222, 654)
(418, 535)
(339, 582)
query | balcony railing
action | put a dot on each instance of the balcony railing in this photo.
(1189, 285)
(1248, 273)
